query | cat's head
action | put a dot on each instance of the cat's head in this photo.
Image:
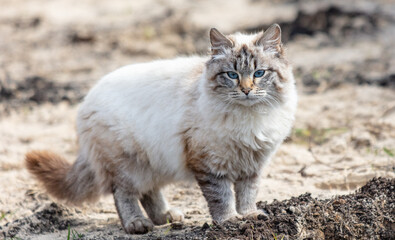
(248, 69)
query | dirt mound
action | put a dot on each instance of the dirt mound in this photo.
(366, 214)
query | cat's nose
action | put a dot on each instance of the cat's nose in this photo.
(246, 91)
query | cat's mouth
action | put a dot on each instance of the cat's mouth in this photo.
(247, 100)
(250, 98)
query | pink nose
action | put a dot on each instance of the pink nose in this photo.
(246, 91)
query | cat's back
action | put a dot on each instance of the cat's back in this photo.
(178, 71)
(157, 82)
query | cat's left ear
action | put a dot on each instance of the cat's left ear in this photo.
(219, 42)
(270, 39)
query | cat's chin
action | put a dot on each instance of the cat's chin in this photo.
(247, 102)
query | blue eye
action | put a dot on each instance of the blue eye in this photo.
(259, 73)
(233, 75)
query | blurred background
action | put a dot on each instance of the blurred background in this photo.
(64, 46)
(52, 52)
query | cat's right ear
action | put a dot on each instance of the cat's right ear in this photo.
(270, 39)
(219, 42)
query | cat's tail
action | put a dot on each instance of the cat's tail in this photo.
(73, 183)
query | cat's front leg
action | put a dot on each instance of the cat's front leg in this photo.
(219, 196)
(246, 189)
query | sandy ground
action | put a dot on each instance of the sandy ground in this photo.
(52, 52)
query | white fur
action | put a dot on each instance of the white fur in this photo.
(152, 103)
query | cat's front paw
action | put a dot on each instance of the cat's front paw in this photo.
(231, 219)
(174, 215)
(257, 214)
(139, 225)
(234, 219)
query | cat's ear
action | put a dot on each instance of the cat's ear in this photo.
(270, 39)
(219, 42)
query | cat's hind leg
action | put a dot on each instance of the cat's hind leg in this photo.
(157, 208)
(132, 218)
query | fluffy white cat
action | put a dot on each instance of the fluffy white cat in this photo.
(217, 119)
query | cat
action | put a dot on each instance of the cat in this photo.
(216, 119)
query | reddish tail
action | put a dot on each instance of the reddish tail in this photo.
(72, 183)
